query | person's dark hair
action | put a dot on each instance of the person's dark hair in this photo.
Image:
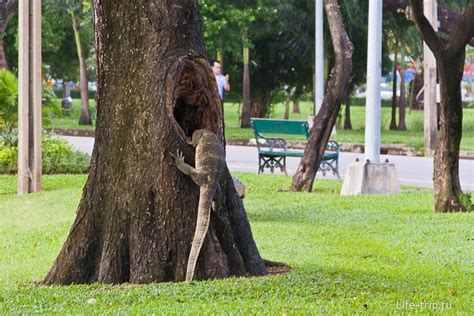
(213, 61)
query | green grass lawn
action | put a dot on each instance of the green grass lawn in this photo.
(412, 138)
(350, 255)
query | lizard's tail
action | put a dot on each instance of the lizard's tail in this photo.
(202, 225)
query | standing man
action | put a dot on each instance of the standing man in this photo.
(222, 85)
(222, 81)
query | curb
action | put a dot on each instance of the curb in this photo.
(385, 149)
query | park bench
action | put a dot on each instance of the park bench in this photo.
(272, 151)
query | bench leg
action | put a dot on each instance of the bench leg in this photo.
(283, 167)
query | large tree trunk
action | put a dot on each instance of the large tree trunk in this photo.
(323, 123)
(393, 120)
(402, 126)
(137, 215)
(7, 7)
(450, 57)
(85, 117)
(446, 159)
(347, 116)
(245, 123)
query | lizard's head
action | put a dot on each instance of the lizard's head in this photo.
(196, 137)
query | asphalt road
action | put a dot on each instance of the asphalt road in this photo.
(417, 171)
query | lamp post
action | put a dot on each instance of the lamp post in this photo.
(372, 176)
(319, 57)
(430, 9)
(374, 69)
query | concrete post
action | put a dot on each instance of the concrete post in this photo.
(23, 96)
(374, 61)
(29, 97)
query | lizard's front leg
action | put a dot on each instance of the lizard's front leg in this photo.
(197, 177)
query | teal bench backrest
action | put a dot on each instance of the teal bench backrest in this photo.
(269, 126)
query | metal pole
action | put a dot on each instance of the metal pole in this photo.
(374, 60)
(429, 73)
(319, 56)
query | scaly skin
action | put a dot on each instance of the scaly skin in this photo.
(210, 160)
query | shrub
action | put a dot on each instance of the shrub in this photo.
(58, 157)
(9, 101)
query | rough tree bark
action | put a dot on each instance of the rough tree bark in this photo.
(245, 122)
(450, 56)
(336, 89)
(402, 126)
(447, 16)
(347, 112)
(7, 7)
(136, 219)
(393, 121)
(85, 117)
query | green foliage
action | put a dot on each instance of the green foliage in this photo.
(350, 255)
(58, 49)
(8, 98)
(58, 156)
(466, 201)
(9, 101)
(8, 137)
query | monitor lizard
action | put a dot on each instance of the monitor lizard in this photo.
(210, 163)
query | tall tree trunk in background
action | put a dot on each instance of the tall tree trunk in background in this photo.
(450, 56)
(85, 118)
(7, 8)
(402, 126)
(347, 116)
(323, 123)
(286, 115)
(296, 104)
(245, 123)
(137, 215)
(393, 120)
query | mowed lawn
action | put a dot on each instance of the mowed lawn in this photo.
(360, 254)
(413, 137)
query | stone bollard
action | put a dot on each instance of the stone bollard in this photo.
(239, 187)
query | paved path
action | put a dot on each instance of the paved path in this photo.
(416, 171)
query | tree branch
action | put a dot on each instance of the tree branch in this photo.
(424, 27)
(463, 31)
(6, 9)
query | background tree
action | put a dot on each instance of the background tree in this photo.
(80, 14)
(7, 8)
(323, 123)
(137, 215)
(450, 57)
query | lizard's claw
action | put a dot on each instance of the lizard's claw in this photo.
(179, 158)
